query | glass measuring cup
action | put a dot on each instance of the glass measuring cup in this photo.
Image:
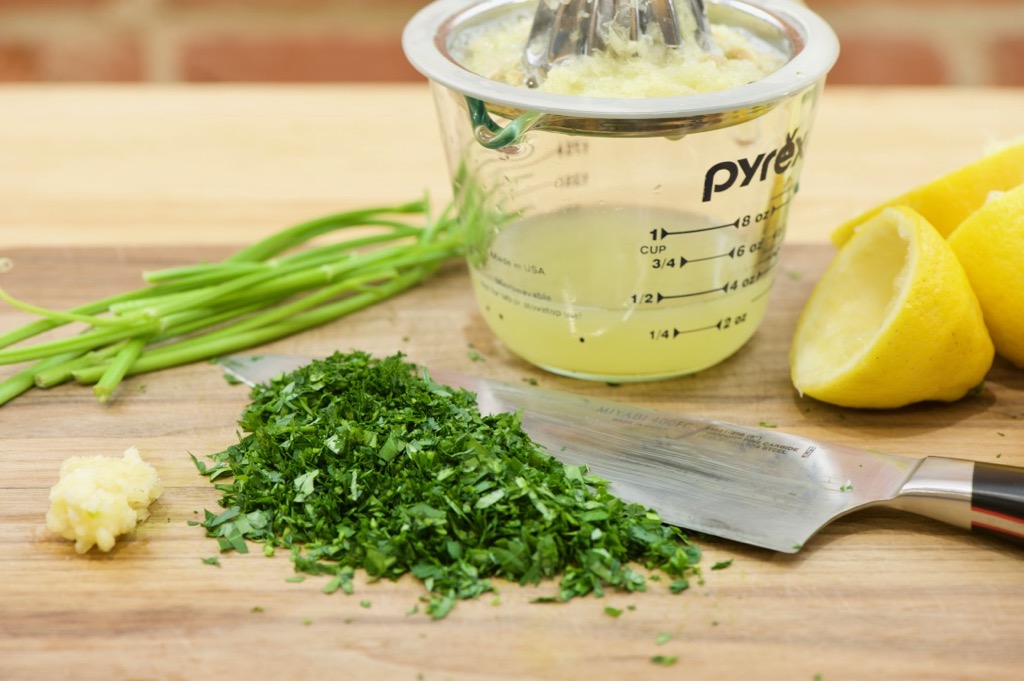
(625, 239)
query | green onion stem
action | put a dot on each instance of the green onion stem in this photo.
(274, 288)
(61, 373)
(90, 340)
(288, 238)
(197, 349)
(43, 325)
(212, 344)
(209, 319)
(25, 379)
(275, 279)
(206, 274)
(116, 369)
(57, 315)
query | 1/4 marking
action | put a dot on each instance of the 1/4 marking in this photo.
(721, 325)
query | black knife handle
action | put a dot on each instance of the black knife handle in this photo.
(997, 501)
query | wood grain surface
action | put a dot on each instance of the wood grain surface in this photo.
(877, 595)
(100, 183)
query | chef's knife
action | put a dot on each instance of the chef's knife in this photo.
(747, 484)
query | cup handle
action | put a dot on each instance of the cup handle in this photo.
(491, 135)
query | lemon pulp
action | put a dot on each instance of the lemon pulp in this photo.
(892, 321)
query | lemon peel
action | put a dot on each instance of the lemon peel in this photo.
(892, 321)
(990, 246)
(948, 200)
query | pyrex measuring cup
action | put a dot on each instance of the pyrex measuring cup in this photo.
(625, 239)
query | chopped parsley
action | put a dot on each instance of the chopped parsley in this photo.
(679, 586)
(354, 462)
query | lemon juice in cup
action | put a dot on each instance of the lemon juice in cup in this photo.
(624, 238)
(628, 313)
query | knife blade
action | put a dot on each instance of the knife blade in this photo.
(751, 485)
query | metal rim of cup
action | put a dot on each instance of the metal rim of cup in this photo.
(811, 44)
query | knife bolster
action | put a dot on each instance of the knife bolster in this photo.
(940, 489)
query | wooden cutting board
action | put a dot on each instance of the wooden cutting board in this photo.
(877, 595)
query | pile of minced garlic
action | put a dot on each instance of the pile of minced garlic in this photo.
(626, 69)
(99, 498)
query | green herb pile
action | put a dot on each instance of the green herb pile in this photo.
(276, 287)
(355, 462)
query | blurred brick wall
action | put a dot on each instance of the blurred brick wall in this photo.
(963, 42)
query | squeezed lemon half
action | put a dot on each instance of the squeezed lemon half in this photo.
(990, 246)
(892, 321)
(950, 199)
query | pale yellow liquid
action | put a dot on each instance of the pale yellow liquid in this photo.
(577, 292)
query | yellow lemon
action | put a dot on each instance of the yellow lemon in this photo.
(947, 201)
(990, 246)
(893, 320)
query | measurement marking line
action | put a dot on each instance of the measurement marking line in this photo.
(787, 189)
(676, 332)
(761, 295)
(730, 254)
(530, 188)
(760, 274)
(666, 232)
(780, 206)
(720, 289)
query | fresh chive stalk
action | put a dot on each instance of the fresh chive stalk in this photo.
(276, 287)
